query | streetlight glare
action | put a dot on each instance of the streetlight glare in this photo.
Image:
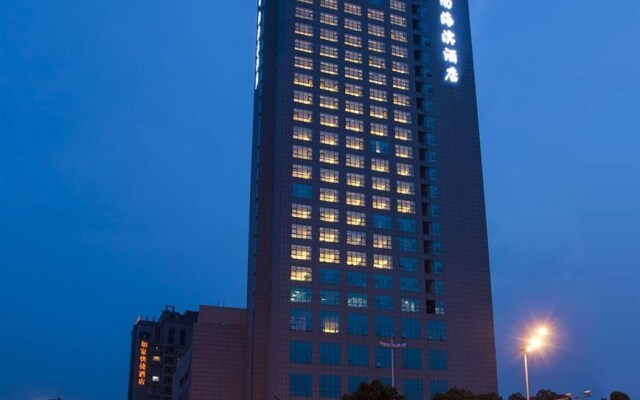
(543, 331)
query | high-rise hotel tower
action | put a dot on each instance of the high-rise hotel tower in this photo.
(367, 208)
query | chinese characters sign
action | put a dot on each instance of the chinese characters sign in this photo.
(142, 362)
(448, 37)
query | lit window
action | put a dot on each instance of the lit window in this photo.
(329, 35)
(382, 261)
(300, 295)
(404, 151)
(356, 180)
(302, 97)
(378, 95)
(352, 40)
(353, 73)
(399, 83)
(353, 57)
(405, 188)
(379, 129)
(354, 125)
(398, 36)
(329, 235)
(381, 203)
(378, 183)
(328, 68)
(155, 379)
(404, 169)
(356, 259)
(409, 305)
(329, 138)
(376, 46)
(355, 161)
(355, 199)
(329, 85)
(400, 67)
(303, 45)
(332, 4)
(302, 274)
(397, 5)
(378, 112)
(300, 231)
(300, 133)
(329, 195)
(353, 90)
(304, 29)
(357, 300)
(379, 165)
(329, 120)
(356, 218)
(328, 51)
(398, 20)
(329, 215)
(406, 206)
(352, 24)
(377, 78)
(376, 30)
(301, 171)
(302, 79)
(155, 358)
(329, 176)
(329, 157)
(329, 322)
(302, 152)
(354, 143)
(302, 115)
(304, 13)
(301, 211)
(382, 242)
(403, 134)
(329, 19)
(401, 100)
(399, 51)
(377, 62)
(329, 102)
(376, 15)
(356, 238)
(331, 256)
(300, 252)
(351, 8)
(353, 107)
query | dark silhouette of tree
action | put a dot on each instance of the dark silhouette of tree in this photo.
(617, 395)
(517, 396)
(543, 394)
(374, 391)
(461, 394)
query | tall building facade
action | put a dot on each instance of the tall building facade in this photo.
(156, 348)
(367, 209)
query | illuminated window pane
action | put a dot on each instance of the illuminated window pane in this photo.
(331, 256)
(329, 85)
(379, 129)
(409, 305)
(328, 68)
(328, 51)
(375, 15)
(303, 62)
(356, 180)
(304, 134)
(398, 20)
(329, 138)
(302, 79)
(329, 120)
(381, 203)
(404, 169)
(353, 107)
(403, 134)
(354, 125)
(402, 117)
(400, 67)
(329, 19)
(352, 40)
(300, 252)
(329, 195)
(406, 206)
(397, 5)
(379, 165)
(302, 115)
(399, 83)
(302, 152)
(355, 199)
(378, 112)
(300, 295)
(329, 235)
(382, 261)
(377, 46)
(355, 143)
(301, 171)
(329, 322)
(303, 45)
(303, 29)
(378, 95)
(377, 78)
(377, 62)
(352, 24)
(353, 73)
(351, 8)
(399, 51)
(382, 242)
(353, 57)
(376, 30)
(302, 97)
(301, 211)
(328, 35)
(355, 161)
(353, 90)
(405, 188)
(329, 215)
(329, 176)
(399, 36)
(329, 157)
(329, 102)
(304, 13)
(356, 238)
(378, 183)
(356, 259)
(356, 218)
(302, 274)
(332, 4)
(404, 151)
(401, 100)
(357, 300)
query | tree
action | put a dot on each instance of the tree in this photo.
(374, 391)
(543, 394)
(461, 394)
(617, 395)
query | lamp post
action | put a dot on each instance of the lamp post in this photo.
(534, 343)
(391, 345)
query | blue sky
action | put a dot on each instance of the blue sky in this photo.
(125, 159)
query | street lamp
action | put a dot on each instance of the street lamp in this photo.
(393, 346)
(535, 342)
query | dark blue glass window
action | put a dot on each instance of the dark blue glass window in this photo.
(410, 328)
(435, 229)
(409, 284)
(358, 355)
(329, 276)
(383, 302)
(408, 264)
(329, 354)
(383, 281)
(411, 358)
(385, 326)
(355, 381)
(383, 357)
(381, 221)
(436, 330)
(379, 147)
(299, 385)
(438, 288)
(438, 386)
(301, 320)
(407, 244)
(358, 279)
(330, 297)
(413, 389)
(330, 386)
(357, 324)
(437, 360)
(300, 352)
(302, 191)
(406, 225)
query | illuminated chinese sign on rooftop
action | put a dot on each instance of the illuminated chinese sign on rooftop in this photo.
(142, 362)
(448, 37)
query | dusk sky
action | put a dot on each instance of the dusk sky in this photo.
(125, 160)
